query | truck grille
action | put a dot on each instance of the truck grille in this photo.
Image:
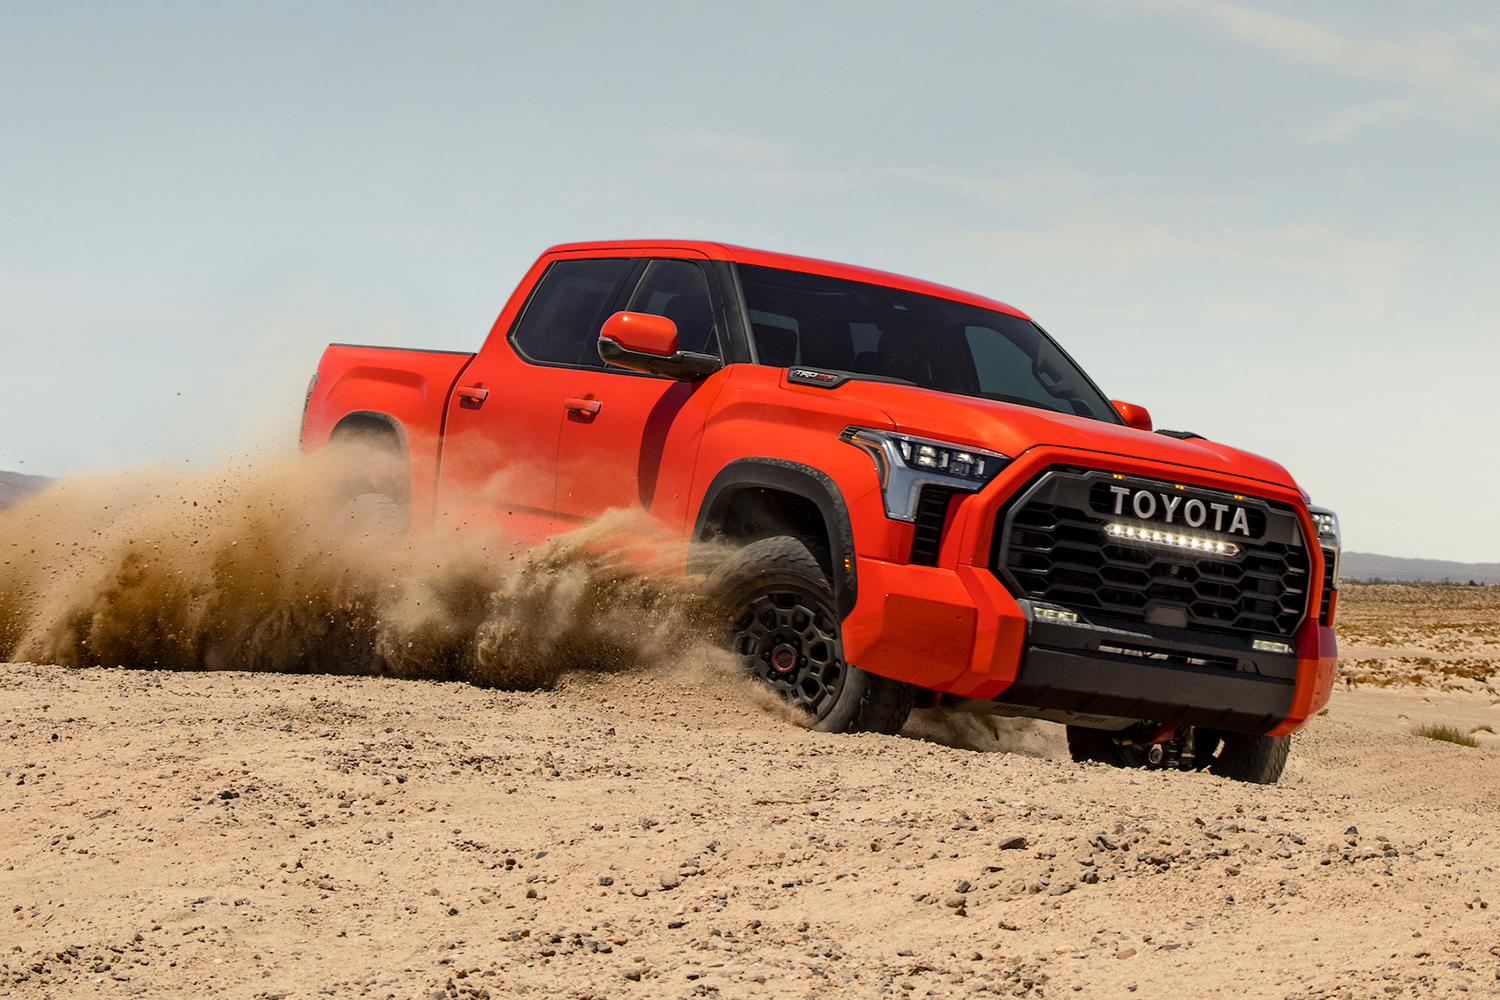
(931, 515)
(1052, 546)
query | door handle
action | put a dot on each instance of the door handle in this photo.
(471, 396)
(585, 407)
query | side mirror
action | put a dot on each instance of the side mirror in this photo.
(1135, 416)
(646, 343)
(642, 333)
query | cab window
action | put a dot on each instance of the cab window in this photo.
(562, 320)
(678, 290)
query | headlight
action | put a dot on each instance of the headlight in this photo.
(1327, 523)
(905, 464)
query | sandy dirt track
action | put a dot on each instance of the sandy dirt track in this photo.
(245, 835)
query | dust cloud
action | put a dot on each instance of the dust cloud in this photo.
(965, 730)
(282, 565)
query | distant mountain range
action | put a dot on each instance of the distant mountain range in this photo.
(1357, 566)
(16, 486)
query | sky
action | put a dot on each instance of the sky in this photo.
(1276, 224)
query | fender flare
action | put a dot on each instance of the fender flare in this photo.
(801, 480)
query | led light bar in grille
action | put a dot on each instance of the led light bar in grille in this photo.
(1151, 536)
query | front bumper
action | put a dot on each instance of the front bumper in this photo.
(1102, 673)
(955, 629)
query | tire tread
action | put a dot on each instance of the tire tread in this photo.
(1086, 744)
(1255, 759)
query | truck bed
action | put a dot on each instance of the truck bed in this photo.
(411, 387)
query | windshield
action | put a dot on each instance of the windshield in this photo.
(935, 343)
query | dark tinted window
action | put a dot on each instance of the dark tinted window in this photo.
(936, 343)
(678, 290)
(562, 320)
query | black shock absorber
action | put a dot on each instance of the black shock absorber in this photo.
(1187, 752)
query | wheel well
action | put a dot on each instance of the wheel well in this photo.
(383, 435)
(362, 426)
(757, 496)
(755, 512)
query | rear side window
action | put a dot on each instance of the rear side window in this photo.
(562, 320)
(678, 290)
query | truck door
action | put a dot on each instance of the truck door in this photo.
(499, 463)
(634, 439)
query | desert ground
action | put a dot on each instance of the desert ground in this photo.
(669, 834)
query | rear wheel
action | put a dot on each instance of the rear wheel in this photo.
(782, 622)
(368, 482)
(374, 517)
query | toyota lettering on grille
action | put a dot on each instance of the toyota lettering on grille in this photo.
(1172, 508)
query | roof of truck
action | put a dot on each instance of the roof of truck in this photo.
(792, 262)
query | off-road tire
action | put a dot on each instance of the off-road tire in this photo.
(369, 496)
(374, 518)
(1256, 759)
(775, 593)
(369, 459)
(1099, 745)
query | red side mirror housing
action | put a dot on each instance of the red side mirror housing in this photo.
(642, 333)
(646, 343)
(1135, 416)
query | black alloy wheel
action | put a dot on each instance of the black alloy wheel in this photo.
(790, 640)
(781, 620)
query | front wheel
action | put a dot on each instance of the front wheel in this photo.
(781, 621)
(1237, 756)
(1103, 747)
(1241, 757)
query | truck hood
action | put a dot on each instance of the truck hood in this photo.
(1012, 430)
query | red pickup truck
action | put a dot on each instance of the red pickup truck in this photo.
(926, 500)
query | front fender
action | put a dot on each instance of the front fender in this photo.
(801, 480)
